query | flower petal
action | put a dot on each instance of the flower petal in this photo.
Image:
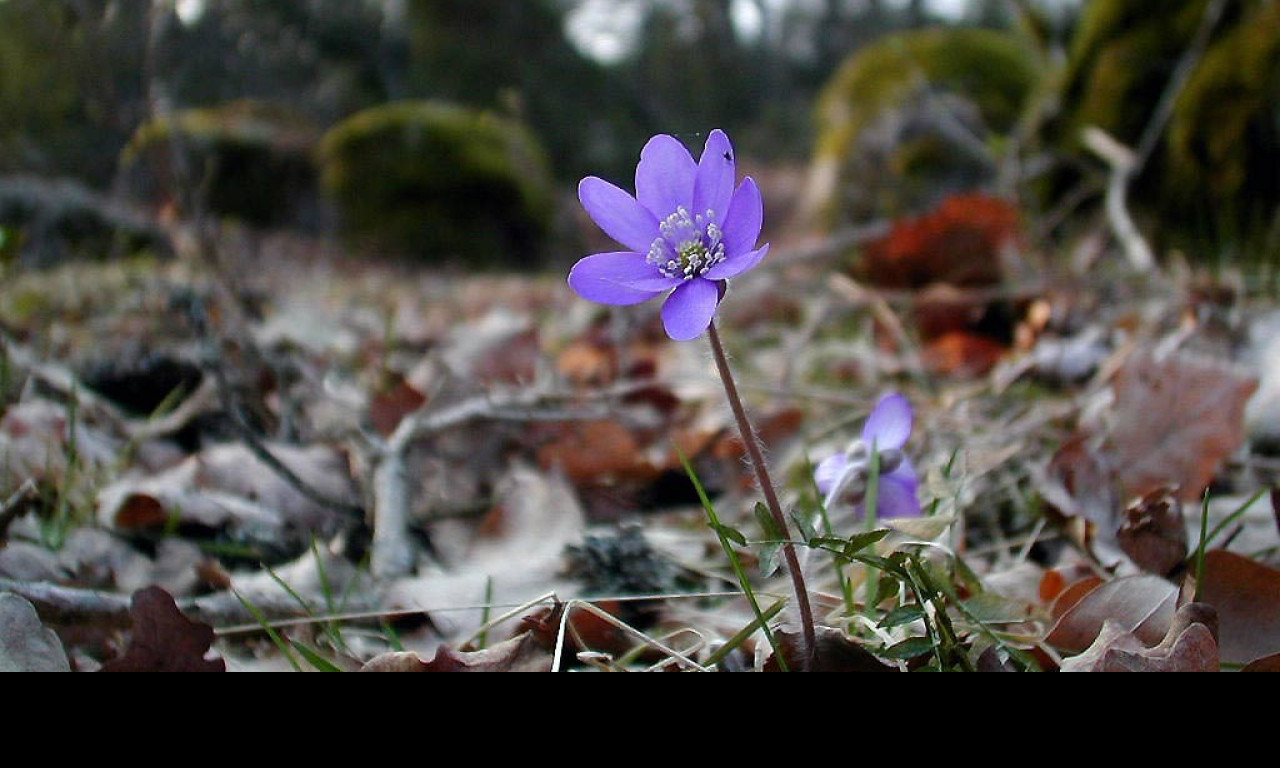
(618, 214)
(889, 424)
(743, 222)
(734, 266)
(829, 471)
(654, 282)
(717, 173)
(665, 176)
(898, 494)
(687, 313)
(610, 278)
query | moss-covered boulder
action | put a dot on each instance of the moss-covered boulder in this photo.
(250, 161)
(441, 182)
(912, 118)
(1215, 172)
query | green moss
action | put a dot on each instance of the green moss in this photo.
(440, 182)
(248, 160)
(1220, 133)
(992, 73)
(1215, 175)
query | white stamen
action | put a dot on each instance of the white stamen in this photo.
(689, 245)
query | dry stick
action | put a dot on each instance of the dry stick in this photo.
(752, 443)
(72, 606)
(1127, 164)
(1124, 165)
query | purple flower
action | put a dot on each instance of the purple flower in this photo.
(686, 232)
(844, 476)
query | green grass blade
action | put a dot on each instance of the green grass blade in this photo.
(734, 642)
(271, 632)
(734, 562)
(313, 658)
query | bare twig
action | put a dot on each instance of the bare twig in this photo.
(71, 606)
(1124, 165)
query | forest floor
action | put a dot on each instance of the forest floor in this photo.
(269, 458)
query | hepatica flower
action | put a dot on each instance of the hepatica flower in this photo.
(844, 476)
(687, 230)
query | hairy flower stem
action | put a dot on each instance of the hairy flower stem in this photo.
(752, 443)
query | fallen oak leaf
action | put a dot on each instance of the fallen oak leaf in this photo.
(1177, 420)
(164, 640)
(1070, 595)
(1265, 664)
(1142, 605)
(1188, 646)
(522, 653)
(1153, 534)
(1246, 595)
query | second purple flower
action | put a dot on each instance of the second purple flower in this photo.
(687, 230)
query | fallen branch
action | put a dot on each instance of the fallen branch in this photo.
(1124, 165)
(72, 606)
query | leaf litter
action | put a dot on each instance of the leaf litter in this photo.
(1066, 460)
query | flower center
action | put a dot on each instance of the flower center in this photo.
(688, 246)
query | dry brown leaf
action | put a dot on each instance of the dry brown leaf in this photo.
(26, 645)
(1141, 605)
(589, 362)
(1246, 595)
(1176, 420)
(1153, 534)
(392, 404)
(596, 633)
(1078, 482)
(1266, 664)
(1056, 580)
(964, 354)
(960, 244)
(1073, 593)
(229, 487)
(519, 654)
(164, 640)
(1188, 646)
(597, 452)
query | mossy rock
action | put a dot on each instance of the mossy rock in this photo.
(881, 150)
(1215, 172)
(250, 161)
(441, 182)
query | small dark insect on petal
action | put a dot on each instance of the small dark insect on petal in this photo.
(728, 156)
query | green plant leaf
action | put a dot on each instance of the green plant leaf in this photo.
(768, 526)
(770, 558)
(910, 648)
(903, 614)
